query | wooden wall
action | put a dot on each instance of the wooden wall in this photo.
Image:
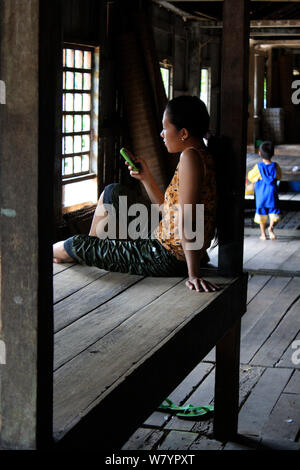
(189, 47)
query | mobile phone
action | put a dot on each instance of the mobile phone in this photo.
(129, 158)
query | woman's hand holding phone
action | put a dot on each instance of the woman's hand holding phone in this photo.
(143, 172)
(145, 176)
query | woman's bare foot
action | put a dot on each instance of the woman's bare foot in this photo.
(271, 233)
(263, 237)
(60, 255)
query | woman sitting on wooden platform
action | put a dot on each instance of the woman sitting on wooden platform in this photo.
(175, 247)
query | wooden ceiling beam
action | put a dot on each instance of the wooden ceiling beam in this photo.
(205, 1)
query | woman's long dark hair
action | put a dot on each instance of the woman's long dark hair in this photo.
(189, 112)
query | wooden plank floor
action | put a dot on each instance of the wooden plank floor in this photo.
(282, 149)
(269, 415)
(278, 257)
(289, 164)
(283, 196)
(99, 320)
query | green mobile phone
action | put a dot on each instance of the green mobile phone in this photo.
(129, 158)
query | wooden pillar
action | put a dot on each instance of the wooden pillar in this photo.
(26, 159)
(259, 67)
(275, 98)
(269, 76)
(250, 132)
(286, 77)
(227, 384)
(234, 115)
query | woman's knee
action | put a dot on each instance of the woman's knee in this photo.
(60, 252)
(100, 209)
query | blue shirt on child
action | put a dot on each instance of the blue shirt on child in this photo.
(266, 195)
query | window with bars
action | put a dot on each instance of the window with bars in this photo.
(77, 110)
(79, 124)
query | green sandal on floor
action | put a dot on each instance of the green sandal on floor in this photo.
(186, 411)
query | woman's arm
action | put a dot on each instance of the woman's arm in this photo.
(145, 176)
(191, 175)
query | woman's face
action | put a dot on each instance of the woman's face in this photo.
(172, 137)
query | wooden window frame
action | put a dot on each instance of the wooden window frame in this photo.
(92, 170)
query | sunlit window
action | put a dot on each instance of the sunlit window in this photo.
(79, 121)
(265, 92)
(205, 86)
(166, 71)
(76, 122)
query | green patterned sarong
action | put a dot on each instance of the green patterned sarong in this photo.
(146, 257)
(143, 256)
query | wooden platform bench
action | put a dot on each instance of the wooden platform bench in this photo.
(124, 342)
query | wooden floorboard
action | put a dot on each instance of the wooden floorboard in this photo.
(269, 260)
(91, 296)
(267, 323)
(292, 263)
(59, 267)
(262, 301)
(257, 408)
(75, 338)
(293, 385)
(279, 341)
(255, 284)
(71, 280)
(88, 305)
(91, 372)
(291, 356)
(252, 248)
(269, 256)
(284, 419)
(144, 439)
(178, 440)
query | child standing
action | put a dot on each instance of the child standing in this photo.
(265, 175)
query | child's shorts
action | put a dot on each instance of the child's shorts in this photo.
(262, 213)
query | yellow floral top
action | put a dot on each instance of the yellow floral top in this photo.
(168, 230)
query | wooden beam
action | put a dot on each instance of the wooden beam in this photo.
(26, 226)
(49, 202)
(275, 23)
(234, 112)
(200, 1)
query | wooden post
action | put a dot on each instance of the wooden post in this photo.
(259, 65)
(234, 115)
(227, 385)
(26, 159)
(250, 131)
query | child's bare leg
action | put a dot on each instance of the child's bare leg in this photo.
(262, 226)
(60, 255)
(270, 230)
